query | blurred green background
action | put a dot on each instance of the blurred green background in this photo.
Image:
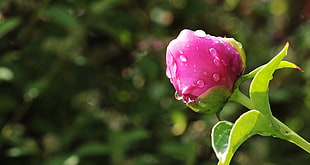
(83, 82)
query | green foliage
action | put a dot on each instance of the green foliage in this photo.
(259, 86)
(250, 123)
(76, 77)
(227, 137)
(8, 25)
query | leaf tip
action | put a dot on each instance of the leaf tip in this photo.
(287, 44)
(297, 67)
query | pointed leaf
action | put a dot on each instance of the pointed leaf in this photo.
(243, 99)
(250, 123)
(259, 85)
(287, 64)
(283, 64)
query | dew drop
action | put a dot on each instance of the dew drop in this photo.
(183, 58)
(216, 61)
(200, 83)
(213, 52)
(205, 73)
(200, 33)
(224, 63)
(216, 77)
(181, 52)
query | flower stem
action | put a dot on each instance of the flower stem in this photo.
(239, 97)
(287, 134)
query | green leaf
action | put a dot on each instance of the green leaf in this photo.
(259, 85)
(185, 151)
(287, 64)
(92, 149)
(220, 137)
(250, 123)
(243, 99)
(61, 16)
(283, 64)
(7, 25)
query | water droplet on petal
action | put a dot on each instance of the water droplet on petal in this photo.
(213, 52)
(200, 83)
(181, 52)
(216, 61)
(216, 77)
(205, 73)
(224, 63)
(200, 33)
(183, 58)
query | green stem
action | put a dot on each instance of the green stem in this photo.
(239, 97)
(288, 134)
(284, 132)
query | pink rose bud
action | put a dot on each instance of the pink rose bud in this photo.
(204, 69)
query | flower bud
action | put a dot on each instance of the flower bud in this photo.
(204, 69)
